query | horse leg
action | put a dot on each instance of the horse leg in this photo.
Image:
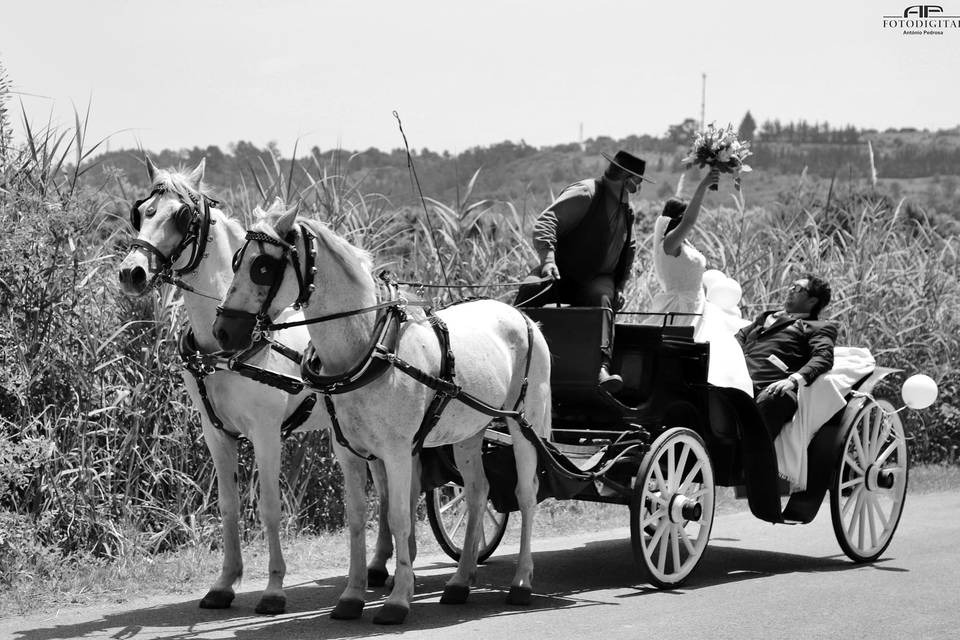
(351, 602)
(470, 466)
(521, 589)
(377, 573)
(399, 468)
(223, 450)
(267, 454)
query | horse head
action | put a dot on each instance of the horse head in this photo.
(172, 218)
(261, 288)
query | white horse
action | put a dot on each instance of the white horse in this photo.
(171, 236)
(498, 351)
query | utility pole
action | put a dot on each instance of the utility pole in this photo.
(703, 102)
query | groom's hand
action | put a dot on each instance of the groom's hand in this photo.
(550, 270)
(619, 301)
(781, 387)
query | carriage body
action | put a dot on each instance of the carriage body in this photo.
(664, 443)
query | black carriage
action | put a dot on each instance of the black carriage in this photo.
(664, 443)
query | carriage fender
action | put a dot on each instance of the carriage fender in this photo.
(824, 451)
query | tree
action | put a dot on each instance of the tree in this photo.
(683, 133)
(748, 127)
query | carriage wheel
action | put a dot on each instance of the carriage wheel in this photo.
(870, 486)
(447, 513)
(671, 513)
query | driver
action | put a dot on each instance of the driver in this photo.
(586, 247)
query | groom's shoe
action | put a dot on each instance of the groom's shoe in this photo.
(609, 382)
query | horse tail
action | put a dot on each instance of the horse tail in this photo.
(534, 398)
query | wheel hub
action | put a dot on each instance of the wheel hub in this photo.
(877, 477)
(683, 509)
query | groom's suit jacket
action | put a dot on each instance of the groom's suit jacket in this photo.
(804, 345)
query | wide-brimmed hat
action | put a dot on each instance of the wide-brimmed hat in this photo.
(629, 163)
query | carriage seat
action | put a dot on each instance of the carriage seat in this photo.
(816, 404)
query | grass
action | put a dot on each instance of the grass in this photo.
(189, 571)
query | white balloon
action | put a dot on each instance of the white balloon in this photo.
(919, 391)
(725, 294)
(712, 277)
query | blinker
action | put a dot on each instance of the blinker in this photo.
(263, 269)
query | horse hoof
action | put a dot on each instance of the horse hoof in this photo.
(217, 599)
(377, 577)
(272, 605)
(391, 614)
(454, 594)
(520, 595)
(347, 609)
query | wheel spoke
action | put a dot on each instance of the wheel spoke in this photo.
(483, 536)
(876, 431)
(656, 536)
(849, 483)
(699, 493)
(852, 463)
(457, 499)
(661, 483)
(869, 515)
(884, 435)
(869, 433)
(858, 443)
(664, 544)
(687, 542)
(494, 515)
(671, 469)
(856, 501)
(656, 516)
(675, 547)
(884, 519)
(690, 476)
(882, 458)
(459, 523)
(861, 516)
(851, 500)
(681, 465)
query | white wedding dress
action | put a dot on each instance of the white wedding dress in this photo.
(681, 278)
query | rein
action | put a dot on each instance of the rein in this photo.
(381, 353)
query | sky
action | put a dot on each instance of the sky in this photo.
(180, 74)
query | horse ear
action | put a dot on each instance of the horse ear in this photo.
(196, 176)
(151, 169)
(286, 221)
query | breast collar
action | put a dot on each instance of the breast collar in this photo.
(384, 338)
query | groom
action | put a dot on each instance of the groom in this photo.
(586, 247)
(788, 349)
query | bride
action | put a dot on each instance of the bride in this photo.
(679, 268)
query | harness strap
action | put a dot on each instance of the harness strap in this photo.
(386, 336)
(200, 365)
(338, 432)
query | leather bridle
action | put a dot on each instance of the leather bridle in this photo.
(267, 270)
(192, 221)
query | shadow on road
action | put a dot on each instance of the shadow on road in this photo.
(565, 578)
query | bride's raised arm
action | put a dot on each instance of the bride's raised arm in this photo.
(674, 237)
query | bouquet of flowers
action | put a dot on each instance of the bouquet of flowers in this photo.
(719, 148)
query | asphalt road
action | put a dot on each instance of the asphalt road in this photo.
(756, 581)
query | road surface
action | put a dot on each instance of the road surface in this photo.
(756, 580)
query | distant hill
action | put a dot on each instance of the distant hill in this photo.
(527, 176)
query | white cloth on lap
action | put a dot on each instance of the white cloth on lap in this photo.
(817, 403)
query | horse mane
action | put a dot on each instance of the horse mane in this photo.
(179, 182)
